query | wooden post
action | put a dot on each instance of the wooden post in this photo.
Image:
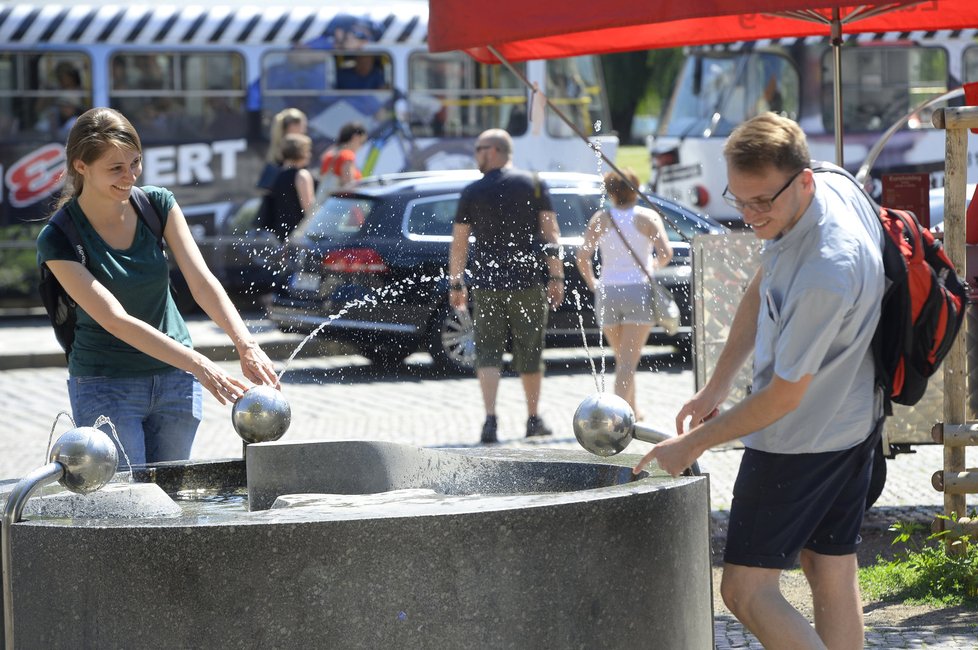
(955, 121)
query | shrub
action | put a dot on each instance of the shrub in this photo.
(925, 573)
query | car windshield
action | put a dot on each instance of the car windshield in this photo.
(574, 211)
(688, 227)
(338, 216)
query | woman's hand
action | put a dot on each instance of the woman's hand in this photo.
(257, 367)
(224, 387)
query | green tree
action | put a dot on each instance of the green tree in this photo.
(633, 78)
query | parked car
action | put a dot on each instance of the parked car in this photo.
(369, 266)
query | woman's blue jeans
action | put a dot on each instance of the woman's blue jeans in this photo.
(155, 417)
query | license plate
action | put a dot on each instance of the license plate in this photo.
(306, 281)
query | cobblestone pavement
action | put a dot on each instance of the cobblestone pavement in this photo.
(343, 397)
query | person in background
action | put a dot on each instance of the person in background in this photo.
(366, 73)
(516, 271)
(812, 422)
(291, 195)
(338, 166)
(286, 121)
(132, 358)
(623, 298)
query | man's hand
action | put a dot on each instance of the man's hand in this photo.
(674, 456)
(458, 298)
(555, 293)
(703, 406)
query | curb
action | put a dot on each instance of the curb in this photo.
(277, 350)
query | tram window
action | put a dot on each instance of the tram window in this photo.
(331, 87)
(971, 63)
(180, 96)
(451, 94)
(573, 86)
(881, 84)
(41, 95)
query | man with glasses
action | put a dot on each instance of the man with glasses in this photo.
(516, 272)
(813, 418)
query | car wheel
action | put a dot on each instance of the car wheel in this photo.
(387, 358)
(451, 340)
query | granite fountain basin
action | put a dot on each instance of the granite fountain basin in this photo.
(371, 544)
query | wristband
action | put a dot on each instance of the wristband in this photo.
(456, 287)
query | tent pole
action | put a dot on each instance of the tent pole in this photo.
(836, 41)
(577, 130)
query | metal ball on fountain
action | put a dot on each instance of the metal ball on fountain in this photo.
(605, 424)
(262, 414)
(89, 458)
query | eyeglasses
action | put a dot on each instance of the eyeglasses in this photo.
(758, 205)
(480, 147)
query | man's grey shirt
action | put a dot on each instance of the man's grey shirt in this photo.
(821, 290)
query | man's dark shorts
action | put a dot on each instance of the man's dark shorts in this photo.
(785, 502)
(519, 314)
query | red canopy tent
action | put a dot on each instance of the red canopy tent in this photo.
(518, 30)
(540, 29)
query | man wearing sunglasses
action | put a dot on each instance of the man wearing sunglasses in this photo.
(813, 418)
(516, 272)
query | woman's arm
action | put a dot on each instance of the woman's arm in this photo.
(305, 188)
(585, 253)
(212, 298)
(650, 223)
(102, 305)
(347, 175)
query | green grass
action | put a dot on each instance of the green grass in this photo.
(925, 573)
(635, 157)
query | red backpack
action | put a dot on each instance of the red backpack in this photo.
(923, 304)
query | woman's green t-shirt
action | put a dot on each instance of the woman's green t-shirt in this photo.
(137, 276)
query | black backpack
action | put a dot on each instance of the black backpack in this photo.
(923, 305)
(58, 304)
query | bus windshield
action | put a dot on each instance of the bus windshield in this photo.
(717, 91)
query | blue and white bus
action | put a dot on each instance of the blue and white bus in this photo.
(884, 78)
(201, 83)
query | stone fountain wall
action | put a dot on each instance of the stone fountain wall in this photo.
(611, 564)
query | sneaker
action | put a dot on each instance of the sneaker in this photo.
(535, 427)
(489, 430)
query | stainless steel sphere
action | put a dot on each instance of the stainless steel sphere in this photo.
(261, 415)
(604, 424)
(89, 457)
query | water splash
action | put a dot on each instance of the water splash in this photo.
(373, 299)
(598, 385)
(104, 419)
(47, 450)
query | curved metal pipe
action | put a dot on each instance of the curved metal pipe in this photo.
(645, 433)
(12, 512)
(863, 174)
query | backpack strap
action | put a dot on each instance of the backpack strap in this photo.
(146, 211)
(63, 222)
(820, 166)
(883, 382)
